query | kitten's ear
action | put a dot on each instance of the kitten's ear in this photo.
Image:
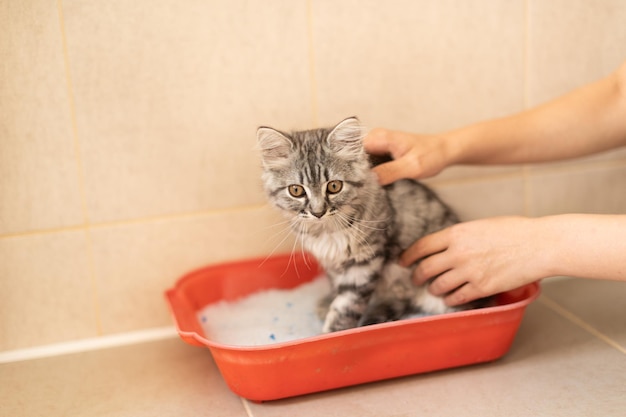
(346, 138)
(274, 145)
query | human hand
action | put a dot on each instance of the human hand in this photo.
(479, 258)
(415, 156)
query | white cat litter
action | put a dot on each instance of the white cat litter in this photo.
(266, 317)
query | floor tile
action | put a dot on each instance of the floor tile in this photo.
(165, 378)
(600, 304)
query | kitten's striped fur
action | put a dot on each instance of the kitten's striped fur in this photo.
(358, 232)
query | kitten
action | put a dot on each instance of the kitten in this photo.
(322, 180)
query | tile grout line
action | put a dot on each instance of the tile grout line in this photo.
(526, 103)
(528, 191)
(563, 312)
(80, 173)
(72, 108)
(312, 78)
(136, 221)
(478, 179)
(246, 406)
(42, 232)
(531, 170)
(539, 169)
(526, 59)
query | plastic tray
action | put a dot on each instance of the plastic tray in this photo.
(340, 359)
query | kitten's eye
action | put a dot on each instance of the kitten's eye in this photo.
(296, 190)
(333, 187)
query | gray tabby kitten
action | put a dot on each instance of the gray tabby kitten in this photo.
(322, 180)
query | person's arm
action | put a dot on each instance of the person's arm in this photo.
(588, 120)
(483, 257)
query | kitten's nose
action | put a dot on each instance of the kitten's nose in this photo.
(318, 214)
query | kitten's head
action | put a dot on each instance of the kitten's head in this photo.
(318, 174)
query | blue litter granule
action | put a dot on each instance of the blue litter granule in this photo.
(272, 336)
(203, 319)
(289, 305)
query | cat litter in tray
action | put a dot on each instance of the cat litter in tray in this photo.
(271, 316)
(258, 319)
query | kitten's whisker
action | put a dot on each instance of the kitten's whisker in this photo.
(362, 236)
(287, 232)
(356, 227)
(304, 257)
(293, 250)
(358, 235)
(362, 222)
(286, 229)
(271, 226)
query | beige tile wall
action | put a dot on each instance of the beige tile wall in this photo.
(127, 148)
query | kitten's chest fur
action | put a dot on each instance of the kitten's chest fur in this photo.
(329, 248)
(335, 249)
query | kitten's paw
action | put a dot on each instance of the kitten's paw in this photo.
(335, 322)
(344, 312)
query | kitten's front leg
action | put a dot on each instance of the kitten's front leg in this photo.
(354, 288)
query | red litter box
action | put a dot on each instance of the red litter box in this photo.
(349, 357)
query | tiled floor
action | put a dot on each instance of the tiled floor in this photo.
(568, 359)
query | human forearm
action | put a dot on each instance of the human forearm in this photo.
(588, 120)
(584, 245)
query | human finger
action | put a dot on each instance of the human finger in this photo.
(446, 283)
(424, 247)
(393, 171)
(377, 142)
(463, 294)
(431, 267)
